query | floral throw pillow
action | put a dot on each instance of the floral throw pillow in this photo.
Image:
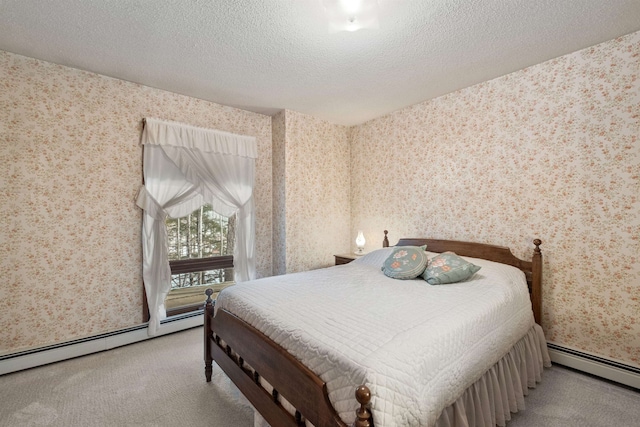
(448, 267)
(406, 262)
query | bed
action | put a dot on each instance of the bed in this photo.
(347, 345)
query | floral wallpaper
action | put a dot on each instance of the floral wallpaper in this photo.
(551, 151)
(279, 206)
(311, 202)
(70, 170)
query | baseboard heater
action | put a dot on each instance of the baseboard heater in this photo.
(21, 360)
(585, 362)
(595, 365)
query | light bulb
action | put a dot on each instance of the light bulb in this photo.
(360, 243)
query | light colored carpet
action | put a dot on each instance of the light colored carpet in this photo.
(568, 398)
(161, 382)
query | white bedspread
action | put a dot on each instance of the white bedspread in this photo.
(416, 346)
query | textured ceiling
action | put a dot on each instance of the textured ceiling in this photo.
(267, 55)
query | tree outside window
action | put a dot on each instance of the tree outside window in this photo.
(200, 248)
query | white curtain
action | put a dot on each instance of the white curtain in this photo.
(184, 168)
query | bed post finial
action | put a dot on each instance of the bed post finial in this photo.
(363, 414)
(208, 293)
(537, 243)
(385, 242)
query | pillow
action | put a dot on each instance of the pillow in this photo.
(406, 262)
(375, 258)
(448, 267)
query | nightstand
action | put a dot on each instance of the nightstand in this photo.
(345, 258)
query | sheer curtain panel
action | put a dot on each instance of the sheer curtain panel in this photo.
(184, 168)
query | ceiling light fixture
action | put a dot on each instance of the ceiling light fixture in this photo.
(351, 15)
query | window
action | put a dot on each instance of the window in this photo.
(200, 249)
(185, 167)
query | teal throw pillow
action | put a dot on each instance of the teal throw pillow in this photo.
(406, 262)
(448, 267)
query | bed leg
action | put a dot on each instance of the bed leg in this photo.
(208, 335)
(363, 414)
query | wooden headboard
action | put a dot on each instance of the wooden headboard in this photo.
(532, 269)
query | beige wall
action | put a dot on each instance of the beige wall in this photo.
(551, 151)
(70, 170)
(279, 192)
(311, 192)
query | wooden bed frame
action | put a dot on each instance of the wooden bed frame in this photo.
(245, 354)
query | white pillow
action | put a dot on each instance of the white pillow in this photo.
(375, 258)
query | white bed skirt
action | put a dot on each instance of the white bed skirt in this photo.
(489, 401)
(501, 390)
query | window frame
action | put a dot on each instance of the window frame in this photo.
(194, 265)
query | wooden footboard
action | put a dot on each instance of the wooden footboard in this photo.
(245, 355)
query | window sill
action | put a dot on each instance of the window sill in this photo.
(182, 300)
